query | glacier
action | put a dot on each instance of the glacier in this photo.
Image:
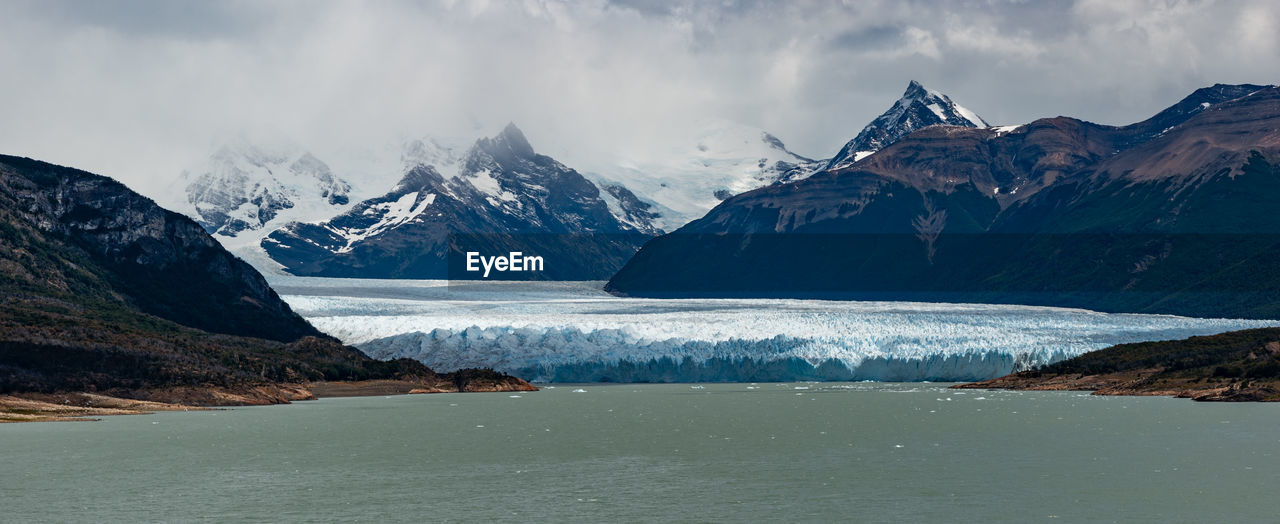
(574, 332)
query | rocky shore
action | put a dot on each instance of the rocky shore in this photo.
(47, 407)
(1137, 384)
(1238, 366)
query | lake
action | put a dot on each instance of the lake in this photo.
(714, 452)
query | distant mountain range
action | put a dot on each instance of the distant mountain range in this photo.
(501, 197)
(1172, 214)
(282, 208)
(927, 201)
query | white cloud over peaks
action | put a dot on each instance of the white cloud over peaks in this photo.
(986, 39)
(920, 41)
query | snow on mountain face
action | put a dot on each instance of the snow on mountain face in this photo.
(564, 332)
(537, 193)
(246, 192)
(1198, 101)
(629, 209)
(918, 108)
(721, 160)
(440, 154)
(726, 158)
(500, 187)
(245, 187)
(299, 243)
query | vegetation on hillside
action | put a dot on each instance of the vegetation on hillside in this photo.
(1233, 366)
(102, 291)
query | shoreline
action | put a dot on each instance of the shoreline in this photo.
(1137, 384)
(1236, 366)
(77, 407)
(86, 407)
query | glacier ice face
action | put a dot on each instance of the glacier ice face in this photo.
(572, 332)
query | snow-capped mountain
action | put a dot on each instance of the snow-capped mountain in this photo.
(718, 161)
(501, 193)
(1168, 215)
(245, 187)
(918, 108)
(245, 192)
(726, 158)
(446, 155)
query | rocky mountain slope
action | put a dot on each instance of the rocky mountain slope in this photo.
(1167, 215)
(918, 108)
(103, 290)
(722, 158)
(501, 197)
(62, 224)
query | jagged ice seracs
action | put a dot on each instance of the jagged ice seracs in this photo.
(573, 332)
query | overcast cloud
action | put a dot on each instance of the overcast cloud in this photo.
(138, 89)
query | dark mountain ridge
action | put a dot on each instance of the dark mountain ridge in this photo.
(1055, 212)
(160, 262)
(103, 290)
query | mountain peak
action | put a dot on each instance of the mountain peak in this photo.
(918, 108)
(915, 90)
(515, 140)
(416, 178)
(243, 185)
(509, 145)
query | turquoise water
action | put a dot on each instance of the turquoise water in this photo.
(725, 452)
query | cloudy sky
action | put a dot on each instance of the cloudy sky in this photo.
(137, 89)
